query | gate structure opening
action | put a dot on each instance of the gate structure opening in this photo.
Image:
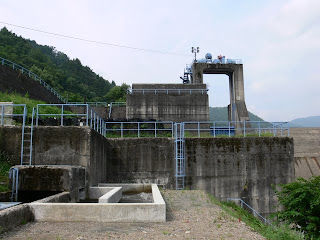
(237, 110)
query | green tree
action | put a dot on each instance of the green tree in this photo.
(54, 67)
(301, 205)
(117, 93)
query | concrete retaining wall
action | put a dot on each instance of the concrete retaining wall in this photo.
(240, 168)
(226, 167)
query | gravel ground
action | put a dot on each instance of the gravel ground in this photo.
(190, 215)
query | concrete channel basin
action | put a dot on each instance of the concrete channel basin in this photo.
(107, 208)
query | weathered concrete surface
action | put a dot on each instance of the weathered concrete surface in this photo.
(21, 214)
(102, 212)
(306, 151)
(168, 107)
(240, 168)
(15, 216)
(14, 81)
(140, 160)
(117, 113)
(39, 179)
(10, 142)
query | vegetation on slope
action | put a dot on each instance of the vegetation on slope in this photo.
(301, 205)
(5, 165)
(270, 232)
(68, 76)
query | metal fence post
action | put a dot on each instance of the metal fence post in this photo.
(198, 129)
(87, 120)
(244, 128)
(214, 129)
(155, 129)
(138, 129)
(122, 130)
(2, 112)
(229, 129)
(259, 129)
(62, 115)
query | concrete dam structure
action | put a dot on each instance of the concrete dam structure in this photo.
(153, 144)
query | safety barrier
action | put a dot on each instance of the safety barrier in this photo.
(234, 128)
(254, 212)
(34, 76)
(168, 91)
(93, 104)
(139, 129)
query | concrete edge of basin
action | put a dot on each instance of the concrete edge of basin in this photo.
(102, 212)
(112, 196)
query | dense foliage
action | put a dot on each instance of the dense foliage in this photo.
(301, 202)
(221, 114)
(68, 76)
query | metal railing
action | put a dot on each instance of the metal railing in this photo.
(254, 212)
(34, 76)
(139, 129)
(234, 128)
(115, 104)
(93, 104)
(14, 176)
(168, 91)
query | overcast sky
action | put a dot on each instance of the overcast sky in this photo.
(278, 41)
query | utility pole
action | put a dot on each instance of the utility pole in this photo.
(195, 50)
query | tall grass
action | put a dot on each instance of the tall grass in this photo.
(282, 232)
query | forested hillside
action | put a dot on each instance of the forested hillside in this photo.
(221, 114)
(68, 76)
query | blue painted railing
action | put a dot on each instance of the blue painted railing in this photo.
(33, 76)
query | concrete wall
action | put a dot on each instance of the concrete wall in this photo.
(142, 160)
(10, 142)
(226, 167)
(168, 107)
(40, 181)
(306, 151)
(240, 167)
(15, 81)
(117, 112)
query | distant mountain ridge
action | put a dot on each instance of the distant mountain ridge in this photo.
(313, 121)
(221, 114)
